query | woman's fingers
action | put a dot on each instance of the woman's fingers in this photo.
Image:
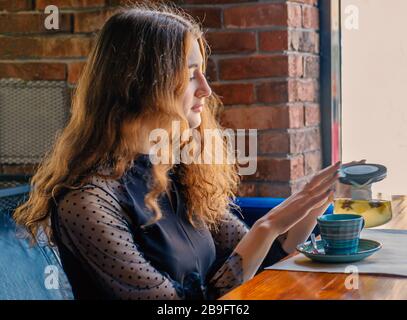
(327, 180)
(325, 185)
(322, 190)
(324, 175)
(314, 197)
(304, 198)
(355, 162)
(290, 213)
(318, 200)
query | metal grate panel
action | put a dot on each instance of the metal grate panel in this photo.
(13, 192)
(9, 204)
(31, 113)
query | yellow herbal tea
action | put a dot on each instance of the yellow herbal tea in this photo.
(375, 212)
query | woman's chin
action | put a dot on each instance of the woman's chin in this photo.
(195, 122)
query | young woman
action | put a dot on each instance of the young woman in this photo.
(127, 228)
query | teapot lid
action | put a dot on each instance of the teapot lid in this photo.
(360, 174)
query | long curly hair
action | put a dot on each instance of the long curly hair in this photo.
(132, 84)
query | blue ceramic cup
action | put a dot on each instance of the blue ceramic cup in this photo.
(341, 232)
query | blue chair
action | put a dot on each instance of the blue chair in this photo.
(255, 207)
(36, 273)
(27, 273)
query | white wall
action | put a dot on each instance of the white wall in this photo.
(374, 89)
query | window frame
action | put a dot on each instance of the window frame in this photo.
(330, 80)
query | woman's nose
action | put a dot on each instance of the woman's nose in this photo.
(204, 90)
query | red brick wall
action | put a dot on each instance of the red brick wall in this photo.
(264, 65)
(30, 52)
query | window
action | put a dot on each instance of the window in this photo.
(374, 85)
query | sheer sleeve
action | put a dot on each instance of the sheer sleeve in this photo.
(96, 230)
(228, 271)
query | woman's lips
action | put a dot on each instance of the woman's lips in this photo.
(197, 108)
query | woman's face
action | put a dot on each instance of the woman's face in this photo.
(197, 89)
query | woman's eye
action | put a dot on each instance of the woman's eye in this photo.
(192, 77)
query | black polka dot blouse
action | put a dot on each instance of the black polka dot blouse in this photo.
(107, 254)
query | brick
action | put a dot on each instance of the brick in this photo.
(294, 39)
(297, 167)
(15, 23)
(294, 15)
(263, 117)
(181, 2)
(313, 140)
(279, 169)
(312, 162)
(209, 17)
(69, 4)
(273, 92)
(312, 115)
(91, 21)
(33, 70)
(247, 189)
(312, 42)
(310, 2)
(50, 47)
(305, 140)
(271, 169)
(287, 91)
(297, 142)
(274, 142)
(311, 67)
(74, 71)
(303, 90)
(259, 15)
(260, 66)
(211, 73)
(273, 40)
(16, 5)
(295, 66)
(274, 189)
(296, 116)
(310, 17)
(304, 41)
(231, 42)
(235, 93)
(250, 117)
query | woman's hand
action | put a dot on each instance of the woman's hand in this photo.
(300, 232)
(295, 217)
(344, 190)
(314, 196)
(303, 228)
(257, 242)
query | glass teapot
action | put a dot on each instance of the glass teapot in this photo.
(360, 177)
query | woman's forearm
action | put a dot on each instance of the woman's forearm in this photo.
(254, 247)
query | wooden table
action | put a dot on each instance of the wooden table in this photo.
(293, 285)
